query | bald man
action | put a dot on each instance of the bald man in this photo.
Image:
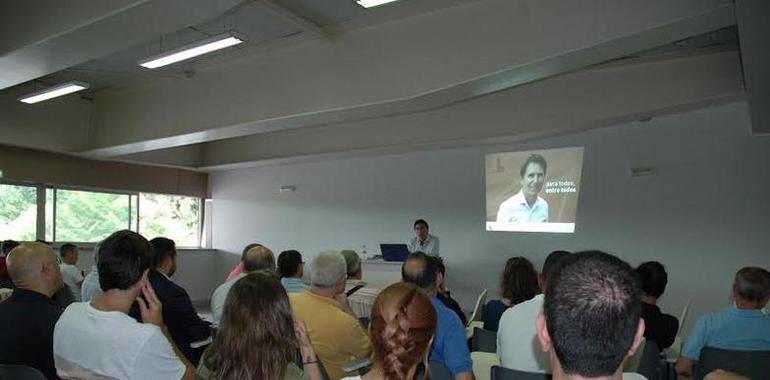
(254, 259)
(28, 317)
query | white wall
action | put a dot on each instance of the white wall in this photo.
(704, 215)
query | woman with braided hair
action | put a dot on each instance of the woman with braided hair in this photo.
(401, 330)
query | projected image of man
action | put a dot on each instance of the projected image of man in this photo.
(526, 205)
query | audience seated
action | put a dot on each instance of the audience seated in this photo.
(362, 299)
(291, 268)
(258, 257)
(519, 284)
(5, 247)
(450, 346)
(742, 326)
(517, 345)
(658, 327)
(90, 288)
(71, 274)
(239, 268)
(179, 315)
(99, 340)
(258, 337)
(401, 330)
(336, 334)
(28, 317)
(442, 293)
(591, 320)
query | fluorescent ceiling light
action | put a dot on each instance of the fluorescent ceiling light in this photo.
(52, 92)
(372, 3)
(193, 50)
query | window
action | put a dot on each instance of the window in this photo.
(88, 217)
(83, 216)
(171, 216)
(18, 213)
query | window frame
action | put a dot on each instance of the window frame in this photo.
(42, 188)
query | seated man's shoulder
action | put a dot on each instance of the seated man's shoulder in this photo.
(447, 316)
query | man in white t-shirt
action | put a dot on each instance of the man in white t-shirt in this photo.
(70, 273)
(517, 345)
(99, 340)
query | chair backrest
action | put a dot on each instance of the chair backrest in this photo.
(437, 371)
(484, 340)
(477, 309)
(685, 312)
(650, 362)
(20, 372)
(502, 373)
(752, 364)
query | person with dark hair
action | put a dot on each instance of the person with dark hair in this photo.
(5, 247)
(402, 327)
(28, 317)
(742, 326)
(183, 322)
(258, 257)
(239, 268)
(334, 330)
(423, 241)
(591, 320)
(518, 284)
(258, 338)
(442, 293)
(98, 339)
(659, 327)
(527, 206)
(71, 274)
(291, 268)
(517, 324)
(450, 346)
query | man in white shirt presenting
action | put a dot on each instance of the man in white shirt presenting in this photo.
(71, 274)
(526, 206)
(99, 340)
(423, 241)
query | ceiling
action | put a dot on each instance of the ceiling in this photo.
(312, 70)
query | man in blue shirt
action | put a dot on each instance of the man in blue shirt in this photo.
(450, 346)
(292, 268)
(742, 327)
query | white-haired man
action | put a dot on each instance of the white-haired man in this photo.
(334, 331)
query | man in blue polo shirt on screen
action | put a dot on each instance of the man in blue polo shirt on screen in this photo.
(741, 327)
(449, 345)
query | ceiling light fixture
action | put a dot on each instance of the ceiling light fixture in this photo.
(194, 49)
(52, 92)
(372, 3)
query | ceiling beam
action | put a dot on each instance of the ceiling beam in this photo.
(111, 32)
(552, 61)
(301, 22)
(597, 97)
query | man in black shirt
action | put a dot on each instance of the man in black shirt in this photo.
(443, 292)
(28, 317)
(179, 315)
(659, 327)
